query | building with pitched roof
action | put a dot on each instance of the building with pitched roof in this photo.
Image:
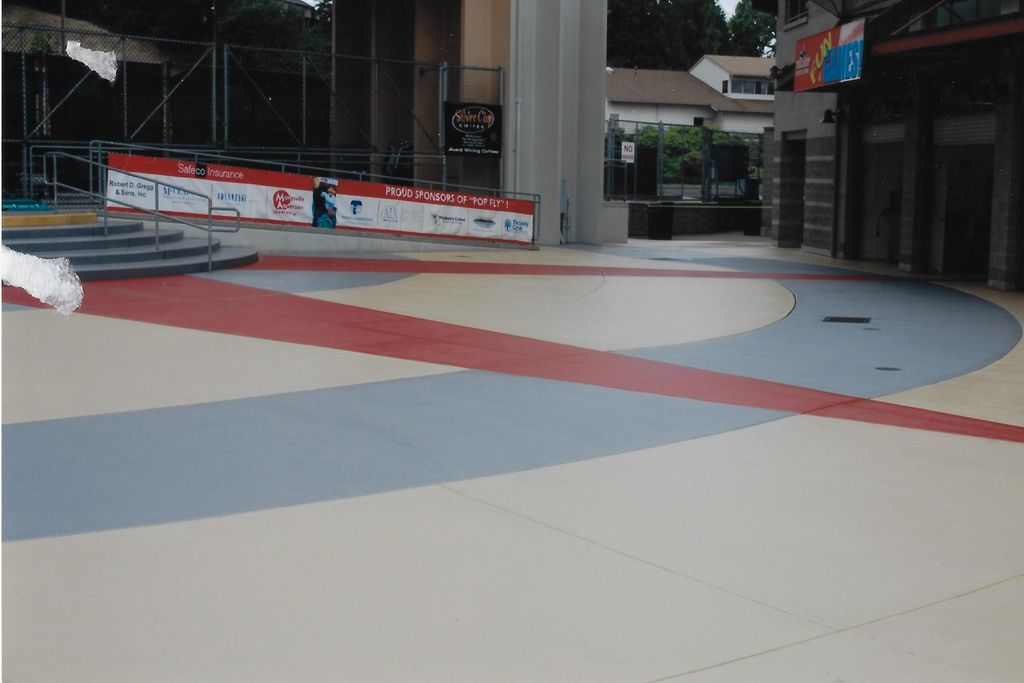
(680, 98)
(737, 77)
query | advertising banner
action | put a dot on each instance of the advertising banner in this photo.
(404, 210)
(830, 57)
(472, 129)
(259, 196)
(317, 202)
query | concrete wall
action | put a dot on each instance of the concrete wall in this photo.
(674, 114)
(739, 122)
(298, 242)
(556, 85)
(710, 73)
(615, 222)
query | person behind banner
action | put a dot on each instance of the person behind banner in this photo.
(329, 218)
(319, 207)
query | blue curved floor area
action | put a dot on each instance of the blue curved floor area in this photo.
(154, 466)
(919, 334)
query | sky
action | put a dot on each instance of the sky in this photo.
(728, 6)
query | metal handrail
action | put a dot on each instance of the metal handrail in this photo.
(209, 228)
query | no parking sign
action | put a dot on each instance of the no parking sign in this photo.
(629, 152)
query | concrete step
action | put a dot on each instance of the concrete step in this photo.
(225, 257)
(20, 219)
(185, 247)
(92, 242)
(90, 229)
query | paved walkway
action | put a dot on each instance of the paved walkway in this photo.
(645, 462)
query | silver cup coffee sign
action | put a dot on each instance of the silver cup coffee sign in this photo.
(472, 129)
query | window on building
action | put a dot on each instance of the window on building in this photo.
(725, 86)
(749, 86)
(961, 11)
(795, 9)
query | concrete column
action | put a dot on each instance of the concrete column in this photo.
(555, 107)
(1006, 248)
(769, 169)
(587, 124)
(915, 228)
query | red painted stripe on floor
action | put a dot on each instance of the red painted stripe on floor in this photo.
(212, 306)
(359, 265)
(895, 415)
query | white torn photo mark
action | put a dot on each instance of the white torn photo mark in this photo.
(52, 281)
(103, 63)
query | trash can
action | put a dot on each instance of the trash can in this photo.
(659, 221)
(749, 188)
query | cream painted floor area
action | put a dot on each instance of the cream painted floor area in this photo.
(603, 313)
(117, 365)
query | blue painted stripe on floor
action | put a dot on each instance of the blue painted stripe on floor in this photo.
(929, 332)
(706, 256)
(154, 466)
(299, 282)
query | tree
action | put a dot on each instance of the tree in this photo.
(664, 34)
(751, 33)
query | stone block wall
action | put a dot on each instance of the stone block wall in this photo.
(819, 194)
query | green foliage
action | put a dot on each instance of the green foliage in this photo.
(751, 33)
(262, 23)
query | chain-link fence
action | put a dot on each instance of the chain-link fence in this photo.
(655, 161)
(163, 92)
(346, 113)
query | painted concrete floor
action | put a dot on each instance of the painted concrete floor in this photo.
(646, 462)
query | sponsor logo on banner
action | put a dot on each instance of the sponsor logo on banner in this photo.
(282, 200)
(484, 224)
(400, 215)
(289, 204)
(447, 224)
(516, 226)
(357, 210)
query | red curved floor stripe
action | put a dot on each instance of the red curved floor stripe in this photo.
(213, 306)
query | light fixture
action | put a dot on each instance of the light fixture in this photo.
(831, 116)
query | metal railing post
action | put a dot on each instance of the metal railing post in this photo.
(124, 83)
(106, 212)
(661, 147)
(209, 235)
(304, 103)
(156, 207)
(442, 72)
(501, 104)
(213, 94)
(227, 99)
(27, 182)
(55, 183)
